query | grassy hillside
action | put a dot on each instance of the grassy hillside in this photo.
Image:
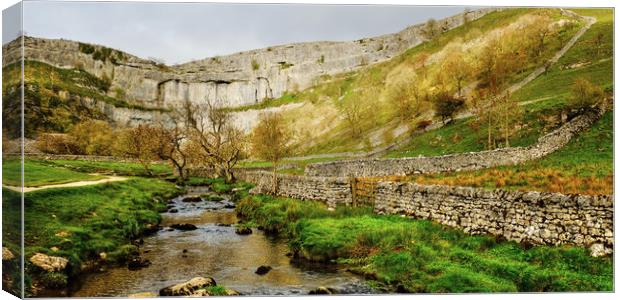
(321, 125)
(546, 96)
(54, 97)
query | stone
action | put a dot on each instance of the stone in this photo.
(242, 230)
(262, 270)
(597, 250)
(184, 226)
(173, 211)
(49, 263)
(136, 263)
(187, 288)
(192, 199)
(7, 254)
(323, 291)
(143, 295)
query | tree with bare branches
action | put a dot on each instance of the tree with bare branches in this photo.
(212, 129)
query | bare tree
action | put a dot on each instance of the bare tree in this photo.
(212, 129)
(457, 69)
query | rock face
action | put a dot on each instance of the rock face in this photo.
(49, 263)
(238, 79)
(189, 288)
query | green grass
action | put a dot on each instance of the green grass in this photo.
(107, 167)
(421, 256)
(584, 165)
(37, 174)
(83, 222)
(11, 238)
(287, 98)
(297, 167)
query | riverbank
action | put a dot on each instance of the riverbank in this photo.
(210, 246)
(407, 255)
(72, 231)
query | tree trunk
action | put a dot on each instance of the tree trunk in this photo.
(274, 186)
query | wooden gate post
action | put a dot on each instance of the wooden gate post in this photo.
(353, 183)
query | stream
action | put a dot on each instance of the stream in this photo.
(215, 250)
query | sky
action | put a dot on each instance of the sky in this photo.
(181, 32)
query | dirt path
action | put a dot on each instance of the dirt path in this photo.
(65, 185)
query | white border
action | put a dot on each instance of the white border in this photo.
(564, 3)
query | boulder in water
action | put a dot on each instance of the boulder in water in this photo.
(192, 199)
(136, 263)
(323, 291)
(193, 287)
(243, 230)
(262, 270)
(173, 211)
(184, 226)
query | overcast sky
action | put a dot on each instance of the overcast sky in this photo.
(180, 32)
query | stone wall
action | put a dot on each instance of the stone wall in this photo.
(330, 190)
(457, 162)
(535, 217)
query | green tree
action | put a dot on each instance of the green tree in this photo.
(270, 141)
(446, 105)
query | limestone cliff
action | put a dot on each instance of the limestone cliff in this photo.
(239, 79)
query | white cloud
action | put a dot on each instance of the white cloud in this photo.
(179, 32)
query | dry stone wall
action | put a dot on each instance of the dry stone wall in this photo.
(330, 190)
(532, 217)
(457, 162)
(535, 217)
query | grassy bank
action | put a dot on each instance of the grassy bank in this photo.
(108, 167)
(421, 256)
(38, 173)
(584, 166)
(81, 223)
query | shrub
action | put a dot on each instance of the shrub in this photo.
(584, 95)
(255, 65)
(86, 48)
(447, 105)
(54, 280)
(56, 143)
(93, 137)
